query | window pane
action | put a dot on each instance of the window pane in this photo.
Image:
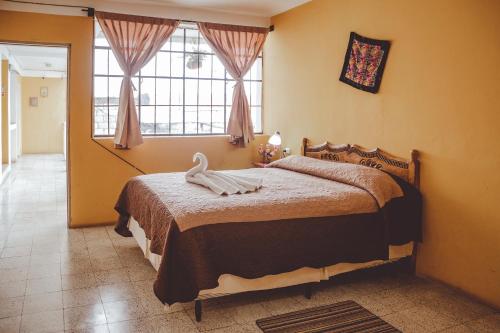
(218, 69)
(247, 76)
(135, 83)
(100, 90)
(256, 120)
(113, 112)
(148, 119)
(205, 66)
(257, 70)
(166, 46)
(177, 64)
(191, 40)
(177, 40)
(100, 39)
(204, 47)
(192, 64)
(101, 61)
(114, 68)
(256, 93)
(115, 84)
(229, 92)
(148, 91)
(163, 64)
(162, 91)
(177, 92)
(149, 68)
(228, 113)
(218, 119)
(101, 120)
(204, 119)
(176, 120)
(218, 92)
(204, 93)
(162, 120)
(191, 119)
(191, 92)
(248, 90)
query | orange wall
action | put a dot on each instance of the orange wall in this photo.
(96, 176)
(439, 95)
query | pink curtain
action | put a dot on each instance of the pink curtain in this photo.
(237, 47)
(134, 41)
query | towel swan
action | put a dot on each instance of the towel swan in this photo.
(218, 182)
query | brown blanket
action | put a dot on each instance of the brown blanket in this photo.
(297, 220)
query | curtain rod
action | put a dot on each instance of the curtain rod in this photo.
(90, 11)
(271, 27)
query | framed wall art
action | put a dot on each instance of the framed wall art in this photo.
(44, 91)
(34, 102)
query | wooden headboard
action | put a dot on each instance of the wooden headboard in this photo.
(407, 169)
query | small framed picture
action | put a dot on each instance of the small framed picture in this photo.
(34, 101)
(44, 91)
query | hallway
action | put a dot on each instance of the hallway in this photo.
(33, 196)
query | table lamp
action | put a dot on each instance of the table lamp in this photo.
(269, 150)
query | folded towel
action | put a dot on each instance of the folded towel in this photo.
(218, 182)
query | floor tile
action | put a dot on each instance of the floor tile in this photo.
(42, 302)
(48, 321)
(80, 297)
(84, 316)
(124, 310)
(37, 271)
(428, 318)
(12, 289)
(117, 292)
(112, 276)
(18, 251)
(77, 281)
(458, 329)
(43, 285)
(11, 307)
(10, 325)
(170, 323)
(14, 262)
(106, 263)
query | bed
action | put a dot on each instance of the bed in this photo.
(312, 220)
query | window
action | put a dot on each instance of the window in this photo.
(183, 90)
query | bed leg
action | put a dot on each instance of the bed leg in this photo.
(308, 291)
(197, 310)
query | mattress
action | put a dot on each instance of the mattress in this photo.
(231, 284)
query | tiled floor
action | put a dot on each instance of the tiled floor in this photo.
(91, 280)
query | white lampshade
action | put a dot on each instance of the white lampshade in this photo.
(275, 139)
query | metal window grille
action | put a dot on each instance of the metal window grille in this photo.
(183, 90)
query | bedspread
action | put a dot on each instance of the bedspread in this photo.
(299, 218)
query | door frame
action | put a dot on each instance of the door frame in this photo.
(68, 114)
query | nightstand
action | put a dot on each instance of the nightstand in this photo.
(260, 164)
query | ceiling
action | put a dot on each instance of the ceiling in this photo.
(265, 8)
(37, 61)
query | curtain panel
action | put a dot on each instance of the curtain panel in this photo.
(237, 47)
(134, 41)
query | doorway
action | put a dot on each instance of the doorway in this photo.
(34, 112)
